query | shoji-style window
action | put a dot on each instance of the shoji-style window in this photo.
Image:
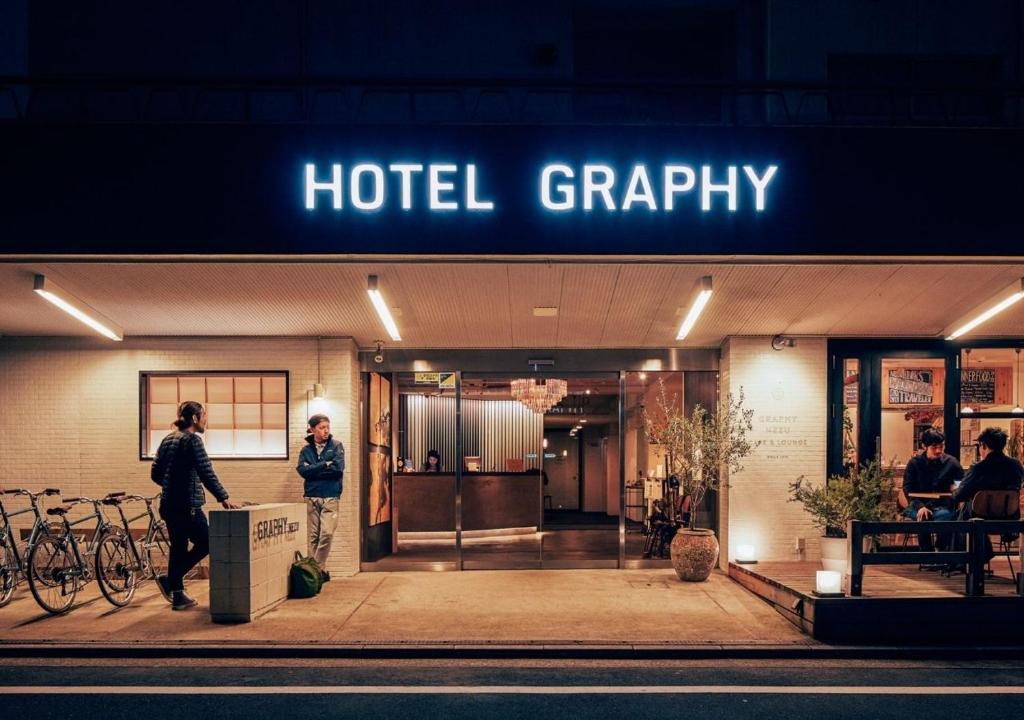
(247, 411)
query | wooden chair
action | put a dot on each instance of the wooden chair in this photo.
(999, 505)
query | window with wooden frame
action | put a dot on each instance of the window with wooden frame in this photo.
(247, 412)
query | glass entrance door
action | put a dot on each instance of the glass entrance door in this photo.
(581, 474)
(882, 399)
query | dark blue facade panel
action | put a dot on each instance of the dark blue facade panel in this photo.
(132, 189)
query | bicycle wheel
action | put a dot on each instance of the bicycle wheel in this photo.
(8, 571)
(114, 570)
(51, 576)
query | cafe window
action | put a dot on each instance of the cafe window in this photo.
(247, 412)
(990, 396)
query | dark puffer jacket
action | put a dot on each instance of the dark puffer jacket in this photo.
(182, 468)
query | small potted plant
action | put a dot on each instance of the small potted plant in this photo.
(857, 494)
(696, 449)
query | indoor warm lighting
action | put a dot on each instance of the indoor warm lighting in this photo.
(1017, 409)
(382, 308)
(539, 395)
(1003, 300)
(828, 582)
(545, 443)
(745, 554)
(76, 308)
(565, 453)
(318, 391)
(703, 295)
(967, 409)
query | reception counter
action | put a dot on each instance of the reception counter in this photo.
(251, 553)
(491, 501)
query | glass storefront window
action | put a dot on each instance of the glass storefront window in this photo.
(851, 397)
(913, 400)
(990, 396)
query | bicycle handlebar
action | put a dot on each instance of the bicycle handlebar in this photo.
(29, 493)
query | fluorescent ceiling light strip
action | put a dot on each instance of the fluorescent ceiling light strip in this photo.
(987, 315)
(696, 309)
(382, 309)
(48, 290)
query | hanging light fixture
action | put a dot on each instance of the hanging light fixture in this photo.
(318, 386)
(967, 409)
(539, 395)
(1017, 409)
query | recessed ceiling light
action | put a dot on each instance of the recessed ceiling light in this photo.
(1007, 297)
(545, 312)
(703, 295)
(383, 312)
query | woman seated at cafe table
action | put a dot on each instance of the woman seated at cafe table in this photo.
(931, 471)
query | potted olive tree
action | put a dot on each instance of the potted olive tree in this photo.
(697, 448)
(858, 494)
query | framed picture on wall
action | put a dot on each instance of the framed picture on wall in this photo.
(379, 500)
(374, 409)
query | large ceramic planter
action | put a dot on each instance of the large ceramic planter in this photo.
(694, 554)
(833, 554)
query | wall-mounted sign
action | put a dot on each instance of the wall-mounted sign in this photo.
(546, 189)
(449, 187)
(911, 386)
(978, 386)
(427, 378)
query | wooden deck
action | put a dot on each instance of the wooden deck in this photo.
(900, 605)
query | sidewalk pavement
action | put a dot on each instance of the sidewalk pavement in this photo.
(624, 609)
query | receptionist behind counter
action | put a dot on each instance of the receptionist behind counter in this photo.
(433, 463)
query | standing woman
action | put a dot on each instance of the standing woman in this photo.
(182, 468)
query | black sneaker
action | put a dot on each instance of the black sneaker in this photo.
(325, 576)
(181, 601)
(164, 587)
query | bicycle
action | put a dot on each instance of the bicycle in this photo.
(57, 569)
(13, 566)
(149, 563)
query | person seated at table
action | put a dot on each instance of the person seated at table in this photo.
(931, 471)
(433, 463)
(995, 471)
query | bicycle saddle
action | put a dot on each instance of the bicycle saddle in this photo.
(57, 510)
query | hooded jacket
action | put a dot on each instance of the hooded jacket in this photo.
(320, 480)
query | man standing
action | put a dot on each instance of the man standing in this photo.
(932, 471)
(322, 466)
(182, 468)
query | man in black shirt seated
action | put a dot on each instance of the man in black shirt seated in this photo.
(932, 471)
(995, 470)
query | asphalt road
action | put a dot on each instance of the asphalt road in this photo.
(532, 690)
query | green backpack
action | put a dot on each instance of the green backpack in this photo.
(305, 577)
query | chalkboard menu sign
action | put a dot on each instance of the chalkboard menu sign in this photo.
(911, 386)
(978, 387)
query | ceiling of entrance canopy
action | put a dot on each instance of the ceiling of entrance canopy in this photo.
(509, 305)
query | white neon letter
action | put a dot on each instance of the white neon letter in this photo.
(590, 186)
(437, 187)
(672, 187)
(471, 202)
(760, 183)
(405, 170)
(312, 185)
(646, 195)
(707, 187)
(355, 189)
(567, 190)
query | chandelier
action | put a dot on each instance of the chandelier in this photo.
(539, 395)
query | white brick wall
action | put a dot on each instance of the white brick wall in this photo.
(788, 392)
(69, 416)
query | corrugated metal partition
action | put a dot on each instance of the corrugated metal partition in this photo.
(494, 430)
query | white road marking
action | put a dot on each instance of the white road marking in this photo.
(510, 690)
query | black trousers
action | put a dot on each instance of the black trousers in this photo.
(185, 525)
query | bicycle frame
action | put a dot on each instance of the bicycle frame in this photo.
(102, 527)
(126, 522)
(38, 527)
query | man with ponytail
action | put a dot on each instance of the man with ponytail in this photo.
(182, 468)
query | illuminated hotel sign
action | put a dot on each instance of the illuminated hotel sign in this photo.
(561, 188)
